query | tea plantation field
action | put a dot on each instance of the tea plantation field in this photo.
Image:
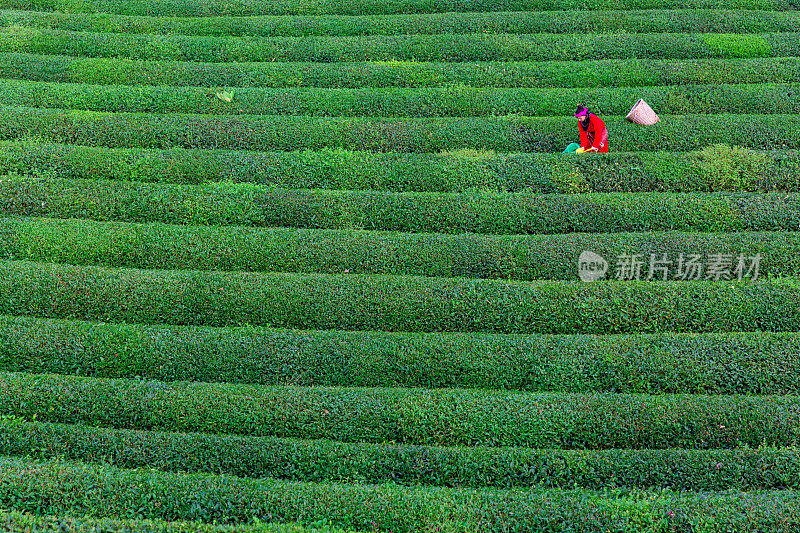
(313, 265)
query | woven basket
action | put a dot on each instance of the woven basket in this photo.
(643, 114)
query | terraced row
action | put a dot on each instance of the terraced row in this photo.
(606, 21)
(434, 134)
(712, 363)
(210, 498)
(228, 204)
(452, 417)
(717, 168)
(394, 303)
(554, 257)
(479, 467)
(16, 521)
(365, 7)
(411, 47)
(349, 74)
(417, 102)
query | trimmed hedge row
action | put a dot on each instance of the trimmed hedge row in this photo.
(650, 21)
(410, 416)
(457, 101)
(650, 364)
(561, 74)
(741, 363)
(288, 133)
(368, 303)
(554, 257)
(716, 168)
(315, 460)
(362, 7)
(59, 487)
(16, 521)
(415, 47)
(486, 213)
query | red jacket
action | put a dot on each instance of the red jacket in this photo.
(595, 136)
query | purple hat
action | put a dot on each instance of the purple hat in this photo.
(581, 111)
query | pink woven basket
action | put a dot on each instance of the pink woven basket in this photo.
(643, 114)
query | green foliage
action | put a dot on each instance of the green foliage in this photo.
(732, 45)
(740, 363)
(452, 101)
(449, 417)
(452, 171)
(554, 74)
(236, 149)
(327, 461)
(413, 47)
(34, 485)
(523, 257)
(16, 521)
(392, 303)
(732, 168)
(485, 212)
(360, 7)
(605, 21)
(382, 134)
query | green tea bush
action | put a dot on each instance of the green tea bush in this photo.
(360, 7)
(393, 303)
(740, 363)
(554, 74)
(30, 523)
(452, 417)
(383, 134)
(33, 486)
(322, 460)
(414, 47)
(452, 101)
(474, 212)
(605, 21)
(529, 257)
(453, 171)
(736, 168)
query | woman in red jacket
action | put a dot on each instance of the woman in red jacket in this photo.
(593, 132)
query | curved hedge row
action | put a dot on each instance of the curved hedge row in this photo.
(363, 7)
(486, 213)
(288, 133)
(410, 416)
(740, 363)
(458, 101)
(561, 74)
(31, 523)
(554, 257)
(606, 21)
(415, 47)
(367, 303)
(716, 168)
(314, 460)
(57, 487)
